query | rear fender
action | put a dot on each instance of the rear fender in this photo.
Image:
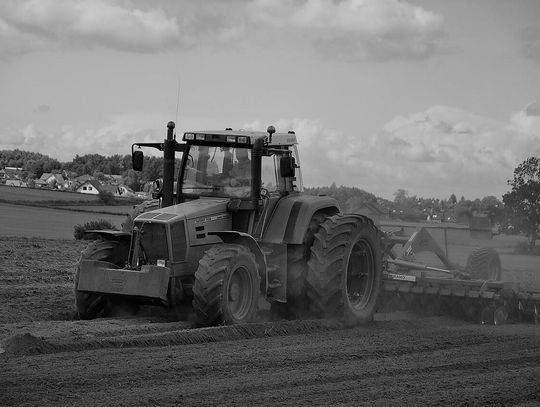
(292, 215)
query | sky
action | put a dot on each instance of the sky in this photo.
(435, 97)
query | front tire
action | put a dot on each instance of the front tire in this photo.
(345, 269)
(226, 288)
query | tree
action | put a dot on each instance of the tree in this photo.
(494, 208)
(401, 197)
(524, 199)
(133, 180)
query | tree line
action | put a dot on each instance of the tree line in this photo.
(519, 210)
(34, 165)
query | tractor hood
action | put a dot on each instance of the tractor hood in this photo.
(198, 208)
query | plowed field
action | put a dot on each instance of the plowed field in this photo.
(158, 359)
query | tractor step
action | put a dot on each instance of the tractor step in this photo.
(276, 271)
(276, 289)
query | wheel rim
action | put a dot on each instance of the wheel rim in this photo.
(240, 293)
(360, 274)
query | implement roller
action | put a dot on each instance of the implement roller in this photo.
(474, 292)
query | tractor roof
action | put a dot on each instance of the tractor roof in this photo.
(239, 137)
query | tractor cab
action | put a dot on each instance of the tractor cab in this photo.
(251, 169)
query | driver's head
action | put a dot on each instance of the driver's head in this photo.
(242, 154)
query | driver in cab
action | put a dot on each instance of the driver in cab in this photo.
(240, 173)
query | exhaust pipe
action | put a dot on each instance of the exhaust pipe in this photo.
(256, 169)
(169, 148)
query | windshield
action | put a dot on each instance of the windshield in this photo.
(218, 171)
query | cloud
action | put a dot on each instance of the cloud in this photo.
(121, 25)
(36, 24)
(527, 120)
(357, 30)
(68, 141)
(349, 30)
(433, 153)
(447, 149)
(15, 42)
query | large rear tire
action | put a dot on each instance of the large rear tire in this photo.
(226, 288)
(90, 305)
(345, 269)
(484, 264)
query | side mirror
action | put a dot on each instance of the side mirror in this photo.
(287, 166)
(137, 158)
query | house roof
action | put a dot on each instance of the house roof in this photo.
(12, 172)
(48, 175)
(95, 183)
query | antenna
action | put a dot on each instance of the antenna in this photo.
(178, 100)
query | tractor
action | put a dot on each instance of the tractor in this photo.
(234, 230)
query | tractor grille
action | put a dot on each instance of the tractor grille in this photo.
(154, 242)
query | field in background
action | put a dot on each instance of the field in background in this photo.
(27, 212)
(32, 221)
(18, 195)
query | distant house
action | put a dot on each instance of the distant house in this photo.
(83, 178)
(39, 183)
(15, 183)
(118, 190)
(124, 190)
(13, 173)
(69, 185)
(12, 176)
(53, 180)
(92, 187)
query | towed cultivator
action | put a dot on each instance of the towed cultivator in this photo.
(474, 292)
